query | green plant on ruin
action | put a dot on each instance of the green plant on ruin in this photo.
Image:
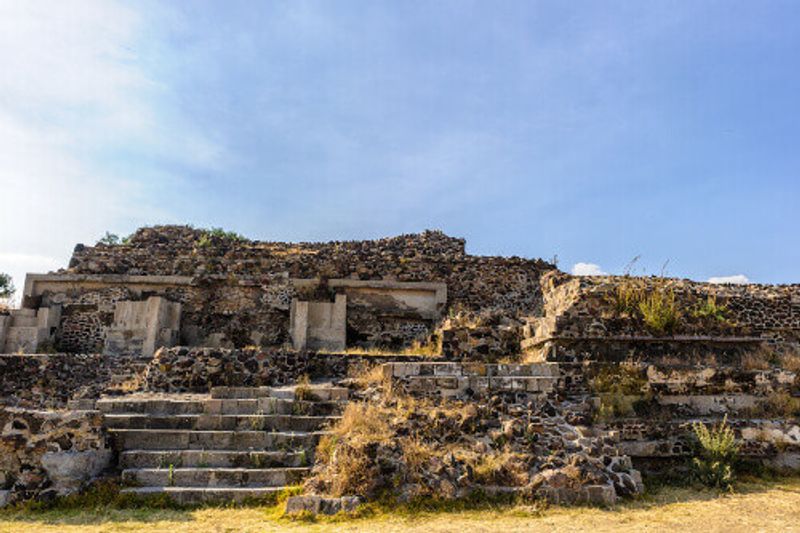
(614, 405)
(659, 311)
(7, 288)
(619, 388)
(710, 309)
(303, 391)
(716, 454)
(624, 378)
(109, 239)
(212, 236)
(627, 296)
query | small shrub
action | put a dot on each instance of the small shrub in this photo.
(780, 404)
(619, 388)
(659, 311)
(710, 309)
(757, 360)
(614, 405)
(109, 239)
(7, 288)
(348, 450)
(302, 390)
(716, 455)
(504, 468)
(624, 378)
(627, 297)
(791, 361)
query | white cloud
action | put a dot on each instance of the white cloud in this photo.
(81, 115)
(738, 279)
(587, 269)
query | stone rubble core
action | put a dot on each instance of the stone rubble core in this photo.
(185, 312)
(555, 456)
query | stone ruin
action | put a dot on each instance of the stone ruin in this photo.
(179, 363)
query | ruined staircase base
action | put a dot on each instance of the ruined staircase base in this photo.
(233, 445)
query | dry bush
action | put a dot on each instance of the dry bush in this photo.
(363, 421)
(348, 450)
(627, 296)
(417, 454)
(431, 347)
(791, 361)
(757, 360)
(302, 390)
(371, 376)
(504, 468)
(781, 404)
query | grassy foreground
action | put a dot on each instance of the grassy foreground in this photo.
(756, 506)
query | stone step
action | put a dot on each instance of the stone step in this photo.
(218, 422)
(181, 439)
(454, 386)
(126, 404)
(399, 370)
(268, 405)
(278, 406)
(239, 393)
(213, 458)
(23, 312)
(314, 393)
(201, 495)
(215, 477)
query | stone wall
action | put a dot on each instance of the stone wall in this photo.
(182, 369)
(236, 293)
(584, 306)
(51, 381)
(588, 315)
(472, 281)
(44, 454)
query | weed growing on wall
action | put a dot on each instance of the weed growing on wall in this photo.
(710, 309)
(659, 311)
(716, 454)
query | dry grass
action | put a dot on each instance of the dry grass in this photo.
(505, 468)
(346, 450)
(791, 361)
(371, 376)
(757, 360)
(757, 506)
(431, 348)
(780, 404)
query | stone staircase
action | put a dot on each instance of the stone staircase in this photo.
(232, 445)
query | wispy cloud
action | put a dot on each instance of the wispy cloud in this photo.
(80, 117)
(737, 279)
(587, 269)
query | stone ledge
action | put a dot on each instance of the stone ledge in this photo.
(322, 504)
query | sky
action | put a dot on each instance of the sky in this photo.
(591, 132)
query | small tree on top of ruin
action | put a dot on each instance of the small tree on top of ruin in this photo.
(7, 289)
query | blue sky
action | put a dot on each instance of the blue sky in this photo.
(594, 131)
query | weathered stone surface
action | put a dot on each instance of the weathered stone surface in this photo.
(322, 505)
(199, 369)
(48, 453)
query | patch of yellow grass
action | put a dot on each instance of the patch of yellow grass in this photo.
(432, 349)
(758, 506)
